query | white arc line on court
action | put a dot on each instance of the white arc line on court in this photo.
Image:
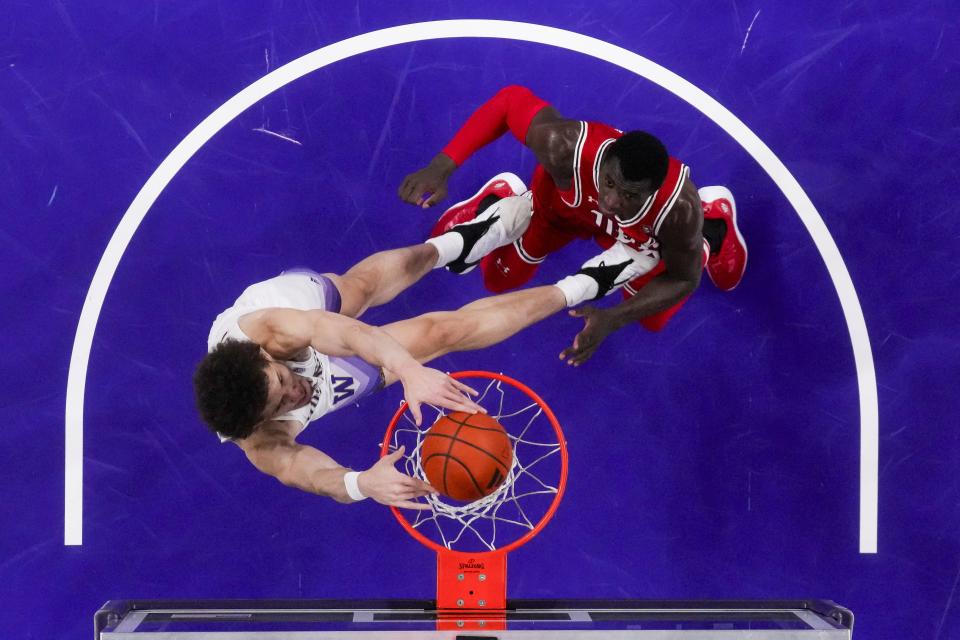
(497, 29)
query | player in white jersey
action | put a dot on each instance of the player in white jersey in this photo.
(290, 350)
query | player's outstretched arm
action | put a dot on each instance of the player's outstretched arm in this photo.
(420, 384)
(273, 451)
(530, 119)
(681, 250)
(285, 332)
(681, 245)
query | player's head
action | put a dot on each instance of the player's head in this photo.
(238, 386)
(633, 168)
(231, 388)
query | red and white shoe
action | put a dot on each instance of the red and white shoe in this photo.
(500, 186)
(725, 268)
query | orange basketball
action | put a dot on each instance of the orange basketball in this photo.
(466, 456)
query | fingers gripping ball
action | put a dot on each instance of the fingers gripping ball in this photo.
(466, 456)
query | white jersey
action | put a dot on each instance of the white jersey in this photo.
(334, 381)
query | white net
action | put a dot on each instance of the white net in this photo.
(519, 503)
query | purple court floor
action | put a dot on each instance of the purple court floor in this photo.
(719, 459)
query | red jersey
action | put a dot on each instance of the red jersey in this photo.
(575, 209)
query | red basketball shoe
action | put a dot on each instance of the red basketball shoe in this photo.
(725, 267)
(500, 186)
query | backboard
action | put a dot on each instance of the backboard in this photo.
(522, 619)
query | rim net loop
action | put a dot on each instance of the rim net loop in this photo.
(529, 493)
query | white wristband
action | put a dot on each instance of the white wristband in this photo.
(352, 483)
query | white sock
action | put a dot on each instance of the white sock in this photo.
(448, 245)
(513, 219)
(578, 288)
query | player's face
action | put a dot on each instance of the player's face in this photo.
(620, 197)
(286, 390)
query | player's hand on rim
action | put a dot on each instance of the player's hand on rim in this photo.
(384, 484)
(425, 385)
(596, 329)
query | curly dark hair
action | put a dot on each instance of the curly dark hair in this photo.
(642, 157)
(231, 388)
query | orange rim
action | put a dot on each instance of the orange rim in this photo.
(525, 538)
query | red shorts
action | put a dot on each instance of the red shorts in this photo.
(551, 228)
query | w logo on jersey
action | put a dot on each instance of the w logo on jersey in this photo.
(343, 388)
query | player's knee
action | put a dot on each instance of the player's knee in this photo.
(365, 285)
(357, 291)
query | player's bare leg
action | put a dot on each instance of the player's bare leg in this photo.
(491, 320)
(379, 278)
(479, 324)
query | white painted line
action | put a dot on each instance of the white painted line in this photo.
(278, 135)
(850, 304)
(749, 29)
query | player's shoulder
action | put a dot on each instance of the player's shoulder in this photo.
(225, 327)
(552, 133)
(280, 330)
(689, 195)
(255, 325)
(685, 221)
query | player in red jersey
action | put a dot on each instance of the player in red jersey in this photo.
(594, 181)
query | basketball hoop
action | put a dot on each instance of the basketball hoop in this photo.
(472, 540)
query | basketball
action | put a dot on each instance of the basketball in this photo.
(466, 456)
